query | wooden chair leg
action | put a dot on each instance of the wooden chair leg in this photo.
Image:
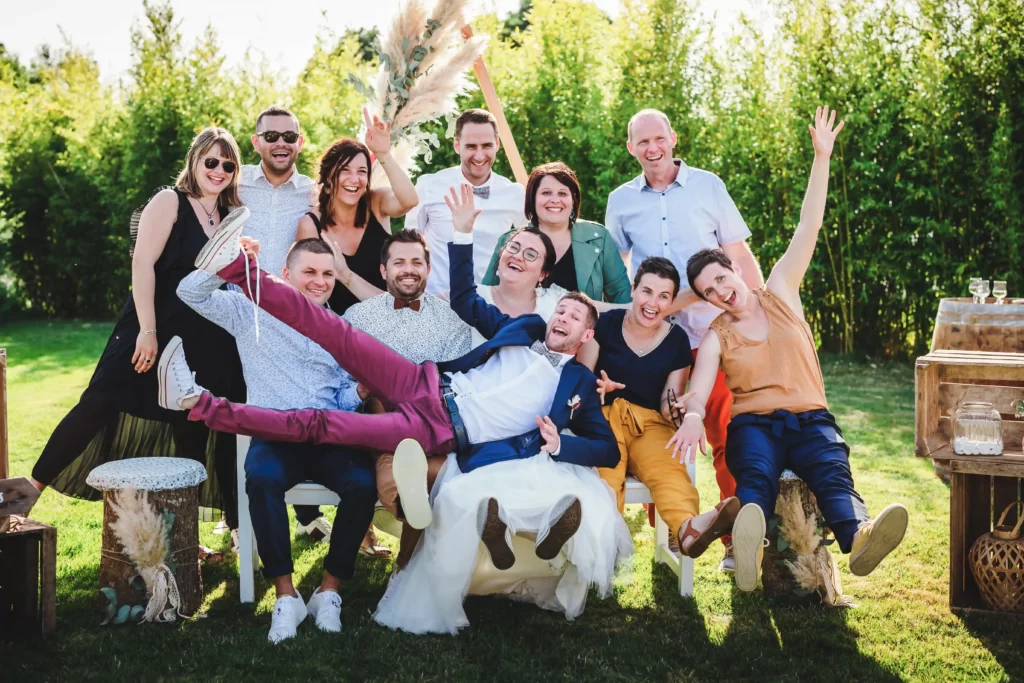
(247, 560)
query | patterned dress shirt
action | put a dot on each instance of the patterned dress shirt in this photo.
(434, 333)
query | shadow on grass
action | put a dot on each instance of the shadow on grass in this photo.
(1003, 636)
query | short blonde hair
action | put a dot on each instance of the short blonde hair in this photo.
(656, 113)
(188, 179)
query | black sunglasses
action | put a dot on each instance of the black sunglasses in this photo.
(530, 254)
(212, 163)
(273, 135)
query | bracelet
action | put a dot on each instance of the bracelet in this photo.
(384, 160)
(348, 280)
(149, 332)
(693, 413)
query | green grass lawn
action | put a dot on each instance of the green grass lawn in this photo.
(902, 629)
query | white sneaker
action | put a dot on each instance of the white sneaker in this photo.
(728, 563)
(319, 529)
(409, 468)
(289, 611)
(221, 527)
(176, 381)
(748, 546)
(236, 548)
(221, 249)
(325, 608)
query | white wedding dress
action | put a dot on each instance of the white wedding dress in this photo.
(427, 596)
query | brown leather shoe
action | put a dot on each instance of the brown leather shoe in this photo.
(561, 531)
(495, 536)
(725, 515)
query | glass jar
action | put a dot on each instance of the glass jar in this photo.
(977, 429)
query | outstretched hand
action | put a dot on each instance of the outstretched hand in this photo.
(607, 386)
(822, 134)
(463, 208)
(378, 135)
(548, 435)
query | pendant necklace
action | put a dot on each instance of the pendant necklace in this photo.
(209, 214)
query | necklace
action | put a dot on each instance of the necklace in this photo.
(209, 214)
(658, 338)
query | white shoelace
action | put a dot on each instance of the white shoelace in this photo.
(255, 301)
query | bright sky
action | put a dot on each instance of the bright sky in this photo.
(283, 30)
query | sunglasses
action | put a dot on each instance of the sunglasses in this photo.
(213, 162)
(273, 136)
(530, 254)
(677, 419)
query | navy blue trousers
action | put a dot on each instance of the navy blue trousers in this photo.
(272, 468)
(760, 447)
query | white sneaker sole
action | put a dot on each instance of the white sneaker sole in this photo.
(409, 468)
(747, 541)
(228, 230)
(162, 399)
(887, 532)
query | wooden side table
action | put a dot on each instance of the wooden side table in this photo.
(28, 580)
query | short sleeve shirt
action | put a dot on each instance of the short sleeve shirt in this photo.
(693, 213)
(644, 376)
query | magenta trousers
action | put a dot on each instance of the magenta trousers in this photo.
(410, 390)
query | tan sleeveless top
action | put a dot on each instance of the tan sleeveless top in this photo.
(779, 373)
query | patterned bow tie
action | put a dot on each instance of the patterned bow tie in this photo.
(539, 348)
(400, 304)
(482, 192)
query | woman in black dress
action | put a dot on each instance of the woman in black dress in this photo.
(118, 416)
(351, 215)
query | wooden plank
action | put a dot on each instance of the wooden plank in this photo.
(957, 537)
(926, 384)
(953, 394)
(27, 602)
(48, 582)
(17, 496)
(997, 466)
(953, 357)
(4, 466)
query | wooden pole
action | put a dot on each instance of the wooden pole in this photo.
(4, 470)
(494, 106)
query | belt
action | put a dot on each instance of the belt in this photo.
(783, 420)
(458, 426)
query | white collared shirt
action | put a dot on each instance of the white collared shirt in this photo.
(694, 212)
(275, 212)
(502, 210)
(503, 397)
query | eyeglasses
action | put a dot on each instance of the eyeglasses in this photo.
(530, 254)
(272, 136)
(213, 162)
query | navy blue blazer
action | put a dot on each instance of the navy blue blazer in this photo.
(593, 445)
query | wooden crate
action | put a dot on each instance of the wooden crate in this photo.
(980, 486)
(28, 581)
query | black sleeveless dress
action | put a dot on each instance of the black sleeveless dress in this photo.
(118, 416)
(365, 262)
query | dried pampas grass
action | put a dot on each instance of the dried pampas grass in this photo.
(815, 568)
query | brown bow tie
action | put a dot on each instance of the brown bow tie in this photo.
(414, 305)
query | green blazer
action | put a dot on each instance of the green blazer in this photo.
(600, 272)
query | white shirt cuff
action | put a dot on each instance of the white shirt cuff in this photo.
(462, 238)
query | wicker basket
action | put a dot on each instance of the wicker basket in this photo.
(997, 561)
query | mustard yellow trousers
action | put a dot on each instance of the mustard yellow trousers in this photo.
(642, 435)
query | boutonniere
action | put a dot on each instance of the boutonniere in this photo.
(573, 404)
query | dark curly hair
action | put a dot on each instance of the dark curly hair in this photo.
(337, 157)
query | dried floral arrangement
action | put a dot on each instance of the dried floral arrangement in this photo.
(423, 70)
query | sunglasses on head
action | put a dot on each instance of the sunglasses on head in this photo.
(530, 254)
(213, 162)
(273, 135)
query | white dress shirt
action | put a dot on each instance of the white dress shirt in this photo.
(503, 397)
(693, 213)
(275, 212)
(502, 210)
(434, 333)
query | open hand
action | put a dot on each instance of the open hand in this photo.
(341, 270)
(463, 210)
(822, 135)
(378, 135)
(548, 434)
(606, 386)
(687, 439)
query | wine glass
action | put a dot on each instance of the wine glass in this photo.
(999, 290)
(973, 288)
(983, 290)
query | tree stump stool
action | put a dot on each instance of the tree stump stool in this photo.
(800, 536)
(172, 485)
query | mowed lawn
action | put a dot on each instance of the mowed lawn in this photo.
(901, 630)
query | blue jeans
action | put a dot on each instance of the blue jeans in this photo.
(810, 444)
(272, 468)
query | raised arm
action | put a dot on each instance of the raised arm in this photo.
(789, 271)
(401, 197)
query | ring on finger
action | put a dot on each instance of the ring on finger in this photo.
(149, 360)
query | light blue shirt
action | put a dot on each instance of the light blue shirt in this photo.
(284, 370)
(275, 212)
(693, 213)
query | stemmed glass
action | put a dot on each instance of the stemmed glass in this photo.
(999, 290)
(973, 288)
(983, 291)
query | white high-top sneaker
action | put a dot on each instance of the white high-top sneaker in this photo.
(325, 608)
(174, 378)
(289, 611)
(221, 249)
